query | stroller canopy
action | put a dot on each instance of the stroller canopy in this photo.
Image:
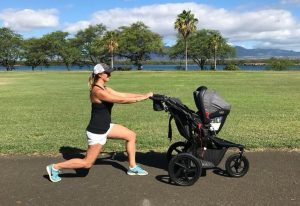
(213, 103)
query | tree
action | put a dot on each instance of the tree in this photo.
(53, 43)
(215, 42)
(60, 48)
(91, 45)
(34, 52)
(110, 39)
(136, 42)
(219, 47)
(69, 53)
(10, 48)
(186, 24)
(199, 49)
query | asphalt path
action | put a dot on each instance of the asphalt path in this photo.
(273, 179)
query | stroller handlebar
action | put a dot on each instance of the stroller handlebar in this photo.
(159, 97)
(159, 101)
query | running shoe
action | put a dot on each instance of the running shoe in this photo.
(137, 170)
(53, 173)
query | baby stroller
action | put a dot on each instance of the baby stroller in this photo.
(202, 149)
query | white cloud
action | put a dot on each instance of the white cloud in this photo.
(274, 27)
(73, 28)
(27, 19)
(294, 2)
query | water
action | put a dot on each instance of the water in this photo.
(147, 67)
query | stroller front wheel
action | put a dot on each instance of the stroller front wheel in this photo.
(237, 165)
(184, 169)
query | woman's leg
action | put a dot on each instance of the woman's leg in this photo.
(76, 163)
(121, 132)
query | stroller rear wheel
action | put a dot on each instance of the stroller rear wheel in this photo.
(237, 165)
(175, 149)
(184, 169)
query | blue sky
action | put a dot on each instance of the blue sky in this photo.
(252, 24)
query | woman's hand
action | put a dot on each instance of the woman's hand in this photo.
(149, 94)
(144, 96)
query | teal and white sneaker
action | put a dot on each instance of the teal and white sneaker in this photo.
(137, 170)
(53, 173)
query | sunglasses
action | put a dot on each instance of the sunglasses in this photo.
(108, 74)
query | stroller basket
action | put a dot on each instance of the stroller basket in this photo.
(214, 155)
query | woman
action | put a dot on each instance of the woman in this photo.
(100, 127)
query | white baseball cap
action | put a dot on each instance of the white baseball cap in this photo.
(100, 68)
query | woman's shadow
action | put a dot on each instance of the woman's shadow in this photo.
(115, 159)
(70, 153)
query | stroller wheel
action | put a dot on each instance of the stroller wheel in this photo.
(237, 166)
(175, 149)
(184, 169)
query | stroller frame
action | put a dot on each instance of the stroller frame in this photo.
(203, 149)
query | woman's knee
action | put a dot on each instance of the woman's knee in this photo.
(88, 164)
(132, 137)
(121, 132)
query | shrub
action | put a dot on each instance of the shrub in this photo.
(180, 67)
(123, 68)
(279, 64)
(231, 67)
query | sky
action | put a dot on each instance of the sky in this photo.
(272, 24)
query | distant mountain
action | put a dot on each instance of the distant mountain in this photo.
(244, 53)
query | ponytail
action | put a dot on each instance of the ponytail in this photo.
(92, 79)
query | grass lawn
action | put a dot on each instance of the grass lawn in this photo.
(40, 112)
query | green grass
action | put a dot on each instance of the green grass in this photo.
(40, 112)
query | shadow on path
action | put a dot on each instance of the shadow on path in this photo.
(151, 159)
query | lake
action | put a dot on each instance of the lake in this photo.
(149, 67)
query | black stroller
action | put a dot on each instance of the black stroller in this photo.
(202, 149)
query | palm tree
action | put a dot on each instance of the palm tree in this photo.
(215, 42)
(111, 44)
(186, 24)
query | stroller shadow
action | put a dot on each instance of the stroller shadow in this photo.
(221, 172)
(151, 159)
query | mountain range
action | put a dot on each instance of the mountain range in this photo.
(243, 53)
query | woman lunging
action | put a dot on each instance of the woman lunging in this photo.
(100, 127)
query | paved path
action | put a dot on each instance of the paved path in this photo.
(273, 179)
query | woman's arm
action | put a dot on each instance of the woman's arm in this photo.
(107, 96)
(122, 94)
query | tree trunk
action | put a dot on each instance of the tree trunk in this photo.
(202, 63)
(112, 60)
(185, 43)
(215, 59)
(140, 67)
